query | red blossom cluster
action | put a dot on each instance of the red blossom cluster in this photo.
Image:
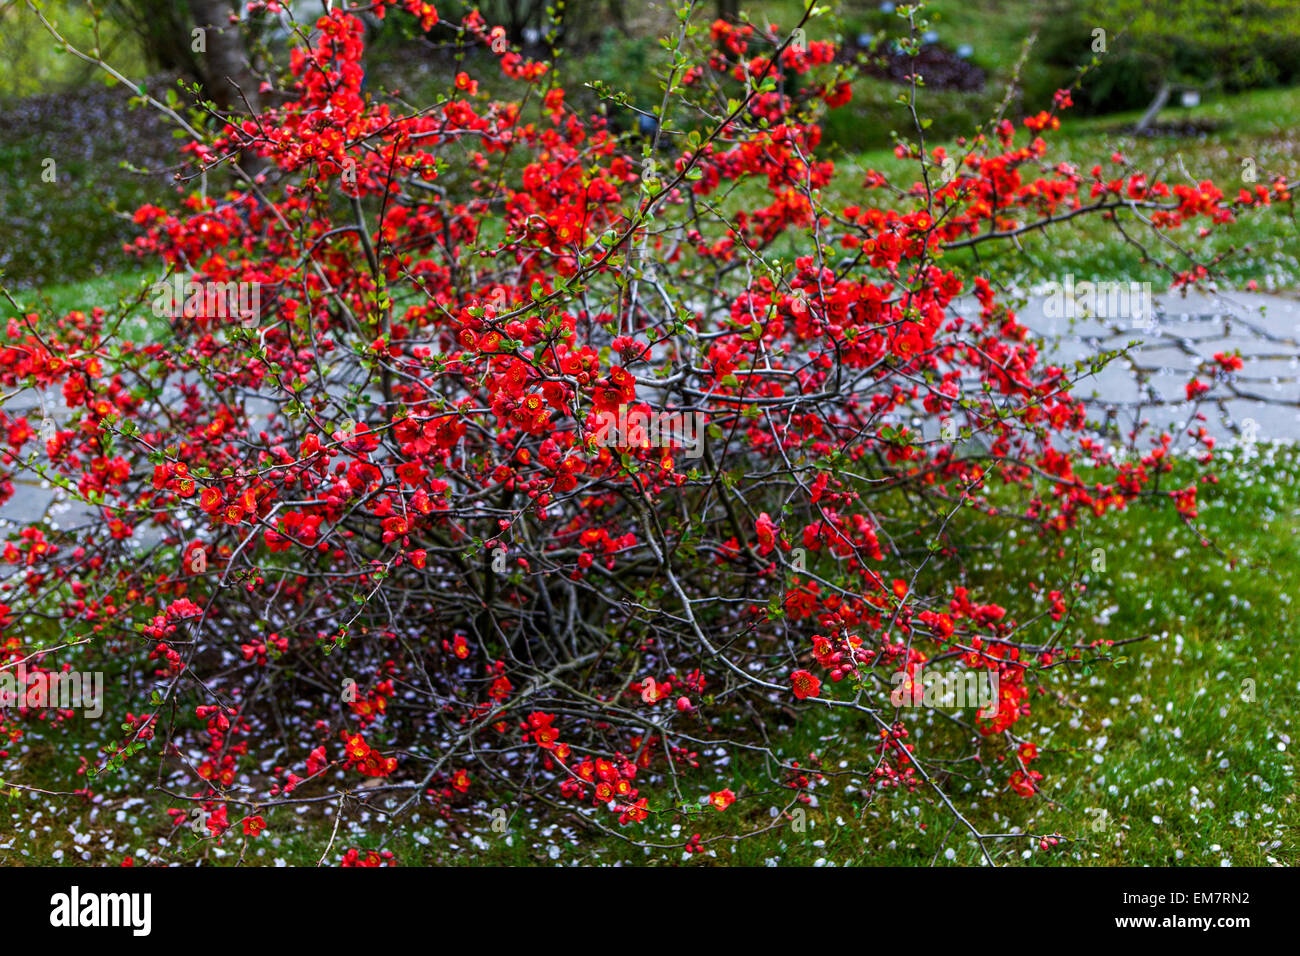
(396, 473)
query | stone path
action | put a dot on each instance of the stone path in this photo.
(1263, 399)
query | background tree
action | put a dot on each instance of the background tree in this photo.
(1202, 43)
(227, 74)
(25, 48)
(217, 58)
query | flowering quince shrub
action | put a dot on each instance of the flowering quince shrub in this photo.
(374, 545)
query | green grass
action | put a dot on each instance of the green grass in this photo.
(1250, 125)
(1162, 763)
(66, 207)
(1160, 738)
(123, 295)
(1263, 245)
(1186, 771)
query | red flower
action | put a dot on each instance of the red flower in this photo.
(470, 345)
(356, 747)
(805, 684)
(217, 821)
(634, 813)
(316, 761)
(426, 12)
(1024, 784)
(1229, 363)
(766, 533)
(210, 500)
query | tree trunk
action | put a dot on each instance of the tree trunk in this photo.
(227, 74)
(1157, 104)
(225, 65)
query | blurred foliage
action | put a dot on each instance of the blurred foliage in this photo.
(1202, 43)
(74, 226)
(31, 62)
(162, 29)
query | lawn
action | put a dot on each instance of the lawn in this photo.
(1178, 750)
(1263, 246)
